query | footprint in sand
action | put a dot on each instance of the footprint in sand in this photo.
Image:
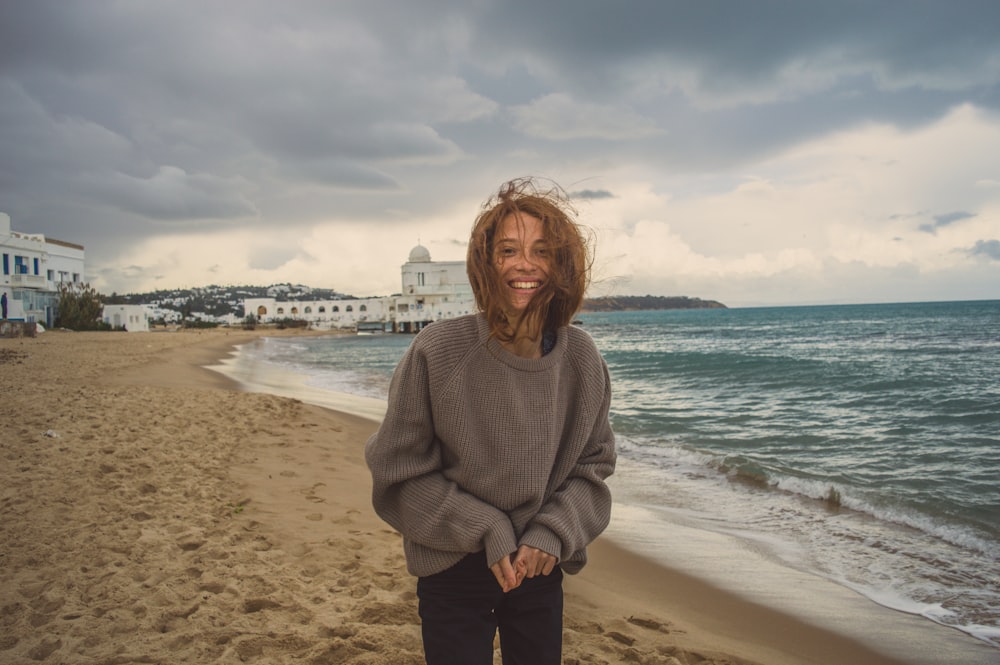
(310, 493)
(254, 605)
(190, 545)
(44, 649)
(213, 587)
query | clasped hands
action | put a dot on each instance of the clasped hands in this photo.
(526, 562)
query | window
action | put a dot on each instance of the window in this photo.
(308, 310)
(36, 265)
(336, 309)
(20, 265)
(6, 264)
(50, 275)
(262, 311)
(76, 277)
(281, 310)
(420, 279)
(349, 308)
(363, 308)
(322, 309)
(295, 310)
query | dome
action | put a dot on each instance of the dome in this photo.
(419, 254)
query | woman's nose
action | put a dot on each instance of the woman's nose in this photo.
(523, 261)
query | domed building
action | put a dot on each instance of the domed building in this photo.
(431, 291)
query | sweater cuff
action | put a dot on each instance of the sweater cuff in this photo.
(543, 538)
(499, 541)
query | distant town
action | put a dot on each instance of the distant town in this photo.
(225, 304)
(219, 304)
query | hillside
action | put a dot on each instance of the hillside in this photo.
(632, 303)
(221, 300)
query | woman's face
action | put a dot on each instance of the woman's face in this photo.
(522, 258)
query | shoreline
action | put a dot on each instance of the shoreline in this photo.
(176, 516)
(753, 583)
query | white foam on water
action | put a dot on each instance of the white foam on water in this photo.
(756, 566)
(257, 375)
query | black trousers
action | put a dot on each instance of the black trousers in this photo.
(462, 608)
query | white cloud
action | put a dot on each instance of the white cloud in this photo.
(844, 204)
(354, 258)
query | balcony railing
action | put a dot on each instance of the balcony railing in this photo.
(28, 281)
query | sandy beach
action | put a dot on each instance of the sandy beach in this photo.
(152, 512)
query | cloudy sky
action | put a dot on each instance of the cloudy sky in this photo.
(756, 153)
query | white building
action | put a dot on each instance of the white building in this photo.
(132, 318)
(33, 267)
(156, 313)
(431, 291)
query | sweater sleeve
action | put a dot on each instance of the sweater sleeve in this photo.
(410, 491)
(580, 509)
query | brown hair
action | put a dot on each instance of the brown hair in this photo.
(570, 258)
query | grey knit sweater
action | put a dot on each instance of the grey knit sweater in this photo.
(482, 449)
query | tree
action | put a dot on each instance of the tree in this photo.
(79, 308)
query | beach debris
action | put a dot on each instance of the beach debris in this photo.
(832, 498)
(51, 433)
(651, 624)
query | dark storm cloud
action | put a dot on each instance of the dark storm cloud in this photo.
(173, 195)
(989, 249)
(164, 113)
(947, 219)
(929, 44)
(592, 194)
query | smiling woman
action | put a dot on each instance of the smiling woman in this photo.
(492, 458)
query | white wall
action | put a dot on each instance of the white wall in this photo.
(135, 318)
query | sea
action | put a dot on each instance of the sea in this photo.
(852, 446)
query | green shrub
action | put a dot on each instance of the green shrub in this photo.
(79, 308)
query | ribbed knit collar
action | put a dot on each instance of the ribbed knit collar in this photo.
(515, 361)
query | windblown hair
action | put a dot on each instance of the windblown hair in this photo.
(569, 258)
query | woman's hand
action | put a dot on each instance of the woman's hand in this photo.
(531, 561)
(503, 570)
(526, 562)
